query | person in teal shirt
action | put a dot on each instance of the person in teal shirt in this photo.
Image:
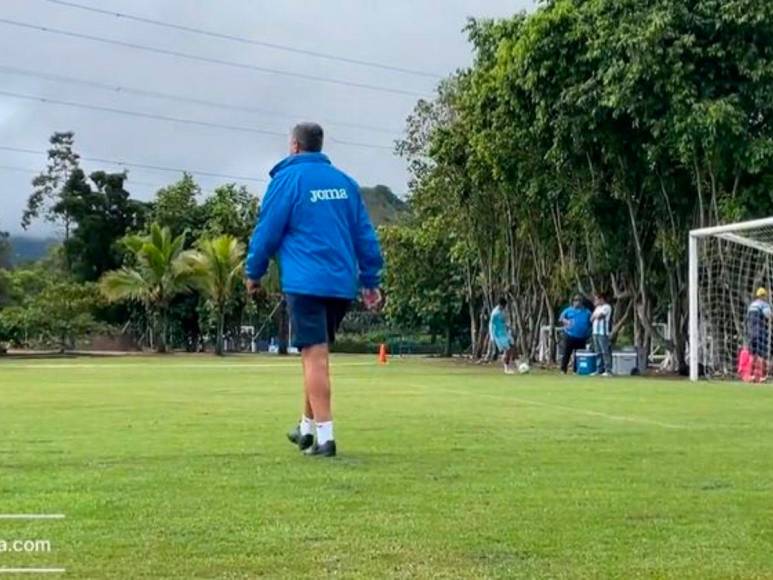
(501, 335)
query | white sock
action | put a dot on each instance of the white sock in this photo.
(307, 425)
(324, 432)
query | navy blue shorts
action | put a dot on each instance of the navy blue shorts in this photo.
(315, 319)
(758, 345)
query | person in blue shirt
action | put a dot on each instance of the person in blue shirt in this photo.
(314, 221)
(758, 317)
(501, 335)
(576, 320)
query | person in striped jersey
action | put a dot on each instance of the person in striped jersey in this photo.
(602, 330)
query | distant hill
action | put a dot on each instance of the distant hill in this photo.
(384, 207)
(28, 249)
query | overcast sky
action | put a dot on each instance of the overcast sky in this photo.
(422, 35)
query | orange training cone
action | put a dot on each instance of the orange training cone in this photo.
(382, 354)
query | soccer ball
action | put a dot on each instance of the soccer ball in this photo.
(524, 368)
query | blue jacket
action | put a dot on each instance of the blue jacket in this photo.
(314, 219)
(579, 321)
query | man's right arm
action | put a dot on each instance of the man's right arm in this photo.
(271, 227)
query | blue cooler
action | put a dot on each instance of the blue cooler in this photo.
(586, 362)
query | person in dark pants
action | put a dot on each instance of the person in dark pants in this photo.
(576, 322)
(602, 331)
(757, 321)
(313, 218)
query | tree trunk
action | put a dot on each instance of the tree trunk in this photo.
(447, 352)
(161, 338)
(219, 346)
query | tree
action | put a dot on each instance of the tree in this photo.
(423, 284)
(5, 251)
(49, 192)
(64, 311)
(159, 273)
(218, 267)
(101, 217)
(584, 142)
(231, 210)
(176, 207)
(39, 305)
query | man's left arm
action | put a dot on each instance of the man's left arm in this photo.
(368, 249)
(272, 224)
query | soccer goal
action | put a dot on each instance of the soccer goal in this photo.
(727, 265)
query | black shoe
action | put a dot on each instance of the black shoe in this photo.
(325, 450)
(302, 441)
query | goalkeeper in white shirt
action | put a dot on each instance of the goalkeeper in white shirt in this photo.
(601, 319)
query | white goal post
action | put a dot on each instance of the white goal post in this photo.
(727, 264)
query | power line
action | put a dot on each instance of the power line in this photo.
(180, 98)
(130, 180)
(19, 169)
(155, 117)
(140, 165)
(243, 40)
(198, 58)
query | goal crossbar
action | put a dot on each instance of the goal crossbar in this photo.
(739, 227)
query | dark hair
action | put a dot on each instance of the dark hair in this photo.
(309, 137)
(602, 296)
(502, 302)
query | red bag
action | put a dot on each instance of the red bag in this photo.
(745, 365)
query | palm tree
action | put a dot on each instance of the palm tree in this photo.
(218, 268)
(160, 272)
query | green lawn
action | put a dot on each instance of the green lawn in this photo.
(178, 467)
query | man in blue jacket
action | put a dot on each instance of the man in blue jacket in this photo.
(576, 320)
(314, 220)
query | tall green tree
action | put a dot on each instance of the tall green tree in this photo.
(218, 268)
(423, 283)
(585, 141)
(102, 216)
(49, 190)
(159, 272)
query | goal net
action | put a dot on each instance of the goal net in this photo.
(728, 265)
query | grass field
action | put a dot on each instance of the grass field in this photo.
(178, 467)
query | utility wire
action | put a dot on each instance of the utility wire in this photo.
(153, 116)
(130, 181)
(218, 61)
(20, 169)
(167, 96)
(140, 165)
(243, 40)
